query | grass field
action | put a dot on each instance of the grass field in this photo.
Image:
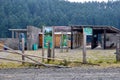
(97, 57)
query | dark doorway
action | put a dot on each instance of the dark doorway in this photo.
(94, 40)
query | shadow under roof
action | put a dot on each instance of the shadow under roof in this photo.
(96, 28)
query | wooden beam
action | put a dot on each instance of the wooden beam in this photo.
(104, 41)
(19, 30)
(23, 49)
(17, 34)
(71, 37)
(12, 34)
(43, 43)
(53, 40)
(84, 49)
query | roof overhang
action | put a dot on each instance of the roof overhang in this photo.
(98, 29)
(18, 30)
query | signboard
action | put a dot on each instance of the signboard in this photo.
(88, 31)
(48, 37)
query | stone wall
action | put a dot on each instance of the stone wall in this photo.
(32, 36)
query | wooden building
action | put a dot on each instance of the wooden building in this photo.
(75, 34)
(31, 34)
(57, 38)
(59, 30)
(96, 31)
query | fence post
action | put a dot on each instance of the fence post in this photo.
(43, 44)
(84, 48)
(49, 53)
(118, 50)
(61, 42)
(23, 50)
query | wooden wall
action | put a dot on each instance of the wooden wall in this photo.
(77, 40)
(40, 40)
(57, 38)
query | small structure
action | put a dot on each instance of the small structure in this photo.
(16, 32)
(101, 35)
(31, 37)
(103, 31)
(104, 36)
(59, 30)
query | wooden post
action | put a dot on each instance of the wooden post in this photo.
(49, 53)
(61, 42)
(23, 50)
(118, 53)
(92, 43)
(77, 40)
(71, 37)
(43, 44)
(17, 35)
(104, 39)
(84, 48)
(118, 50)
(12, 34)
(67, 43)
(53, 46)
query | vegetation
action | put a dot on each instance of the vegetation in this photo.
(21, 13)
(16, 65)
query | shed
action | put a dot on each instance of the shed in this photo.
(59, 30)
(102, 30)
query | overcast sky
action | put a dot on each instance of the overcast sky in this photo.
(86, 0)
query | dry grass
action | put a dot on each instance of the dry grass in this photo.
(101, 58)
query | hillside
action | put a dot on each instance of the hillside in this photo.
(20, 13)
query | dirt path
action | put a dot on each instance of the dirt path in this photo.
(61, 74)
